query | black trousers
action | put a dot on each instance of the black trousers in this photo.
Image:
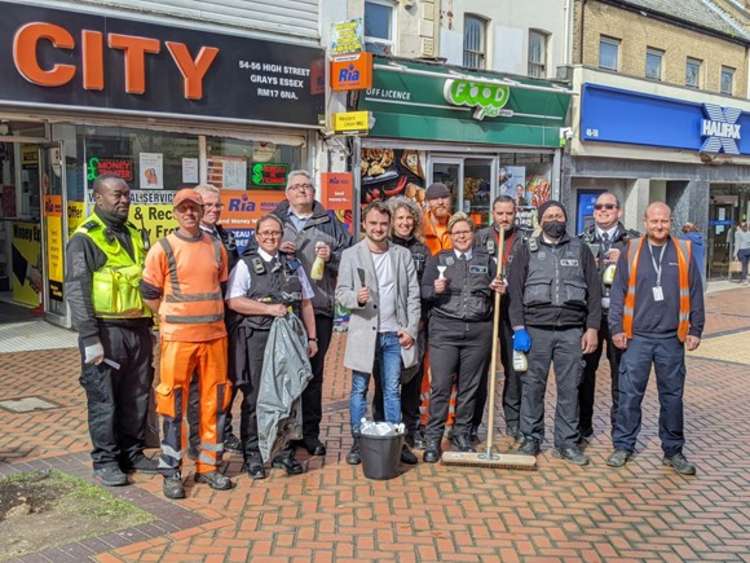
(118, 398)
(511, 384)
(312, 396)
(561, 347)
(410, 399)
(458, 351)
(587, 389)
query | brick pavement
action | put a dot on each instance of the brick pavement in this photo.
(431, 512)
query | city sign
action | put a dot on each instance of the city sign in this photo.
(721, 130)
(488, 99)
(351, 72)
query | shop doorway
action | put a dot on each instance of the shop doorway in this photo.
(472, 182)
(32, 224)
(728, 207)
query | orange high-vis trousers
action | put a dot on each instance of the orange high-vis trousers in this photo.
(178, 363)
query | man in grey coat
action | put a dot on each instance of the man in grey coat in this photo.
(378, 282)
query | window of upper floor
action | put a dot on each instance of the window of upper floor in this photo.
(727, 80)
(380, 26)
(693, 72)
(475, 42)
(609, 53)
(538, 41)
(654, 59)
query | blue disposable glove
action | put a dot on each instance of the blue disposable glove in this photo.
(521, 340)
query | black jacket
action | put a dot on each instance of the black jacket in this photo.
(550, 316)
(83, 258)
(325, 227)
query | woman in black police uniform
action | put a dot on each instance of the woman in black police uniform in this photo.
(406, 222)
(460, 331)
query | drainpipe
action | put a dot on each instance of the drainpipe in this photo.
(583, 29)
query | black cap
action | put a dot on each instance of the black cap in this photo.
(437, 190)
(551, 203)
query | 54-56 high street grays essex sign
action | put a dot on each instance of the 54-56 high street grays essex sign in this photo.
(61, 59)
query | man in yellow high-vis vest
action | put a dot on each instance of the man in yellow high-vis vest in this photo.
(656, 311)
(105, 258)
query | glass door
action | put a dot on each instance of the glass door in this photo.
(479, 189)
(721, 223)
(449, 171)
(53, 202)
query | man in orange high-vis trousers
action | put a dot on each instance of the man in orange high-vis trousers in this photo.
(182, 282)
(656, 311)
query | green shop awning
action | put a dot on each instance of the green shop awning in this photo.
(432, 102)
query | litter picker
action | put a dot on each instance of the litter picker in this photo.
(488, 458)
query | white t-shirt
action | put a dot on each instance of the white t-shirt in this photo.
(239, 282)
(386, 291)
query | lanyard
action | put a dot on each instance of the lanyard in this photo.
(657, 267)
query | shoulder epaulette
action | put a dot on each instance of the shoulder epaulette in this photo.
(91, 225)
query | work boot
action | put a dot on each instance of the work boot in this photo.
(572, 454)
(233, 444)
(288, 463)
(680, 464)
(354, 457)
(407, 456)
(173, 487)
(527, 446)
(462, 443)
(432, 452)
(313, 446)
(215, 480)
(110, 476)
(142, 464)
(255, 470)
(618, 458)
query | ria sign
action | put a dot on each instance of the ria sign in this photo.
(488, 99)
(721, 130)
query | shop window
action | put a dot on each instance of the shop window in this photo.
(693, 73)
(609, 53)
(654, 59)
(379, 27)
(537, 54)
(243, 165)
(475, 42)
(527, 178)
(727, 80)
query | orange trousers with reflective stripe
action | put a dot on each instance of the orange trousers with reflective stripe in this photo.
(179, 362)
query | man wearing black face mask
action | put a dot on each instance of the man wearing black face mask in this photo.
(555, 312)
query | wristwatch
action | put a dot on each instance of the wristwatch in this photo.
(312, 339)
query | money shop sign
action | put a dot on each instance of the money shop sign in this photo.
(489, 100)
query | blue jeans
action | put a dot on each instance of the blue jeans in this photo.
(388, 365)
(667, 355)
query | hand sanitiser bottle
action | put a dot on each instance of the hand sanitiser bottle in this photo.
(520, 363)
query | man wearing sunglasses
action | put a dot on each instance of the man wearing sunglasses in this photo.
(606, 238)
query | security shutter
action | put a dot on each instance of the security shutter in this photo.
(297, 18)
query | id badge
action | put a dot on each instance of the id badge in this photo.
(658, 293)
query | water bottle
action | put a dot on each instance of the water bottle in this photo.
(520, 363)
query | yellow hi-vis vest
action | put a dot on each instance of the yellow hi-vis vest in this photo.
(116, 292)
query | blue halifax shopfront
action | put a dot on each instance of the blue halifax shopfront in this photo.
(700, 163)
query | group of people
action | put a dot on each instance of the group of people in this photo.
(420, 289)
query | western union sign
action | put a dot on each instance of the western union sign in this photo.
(351, 121)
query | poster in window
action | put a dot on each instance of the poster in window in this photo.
(228, 172)
(151, 170)
(392, 172)
(189, 170)
(512, 182)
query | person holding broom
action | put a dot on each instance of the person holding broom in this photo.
(457, 285)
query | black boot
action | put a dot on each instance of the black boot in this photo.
(354, 457)
(432, 452)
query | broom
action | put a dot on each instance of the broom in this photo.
(488, 458)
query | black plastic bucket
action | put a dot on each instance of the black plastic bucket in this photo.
(381, 455)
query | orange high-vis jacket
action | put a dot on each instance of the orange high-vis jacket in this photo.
(683, 249)
(436, 237)
(190, 274)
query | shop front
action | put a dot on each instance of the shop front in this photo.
(646, 141)
(481, 134)
(159, 106)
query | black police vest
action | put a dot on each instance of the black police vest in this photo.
(555, 275)
(272, 282)
(469, 297)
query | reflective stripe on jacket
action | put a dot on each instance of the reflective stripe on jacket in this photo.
(683, 250)
(115, 290)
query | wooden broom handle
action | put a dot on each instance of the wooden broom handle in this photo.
(495, 333)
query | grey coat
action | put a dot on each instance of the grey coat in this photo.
(363, 324)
